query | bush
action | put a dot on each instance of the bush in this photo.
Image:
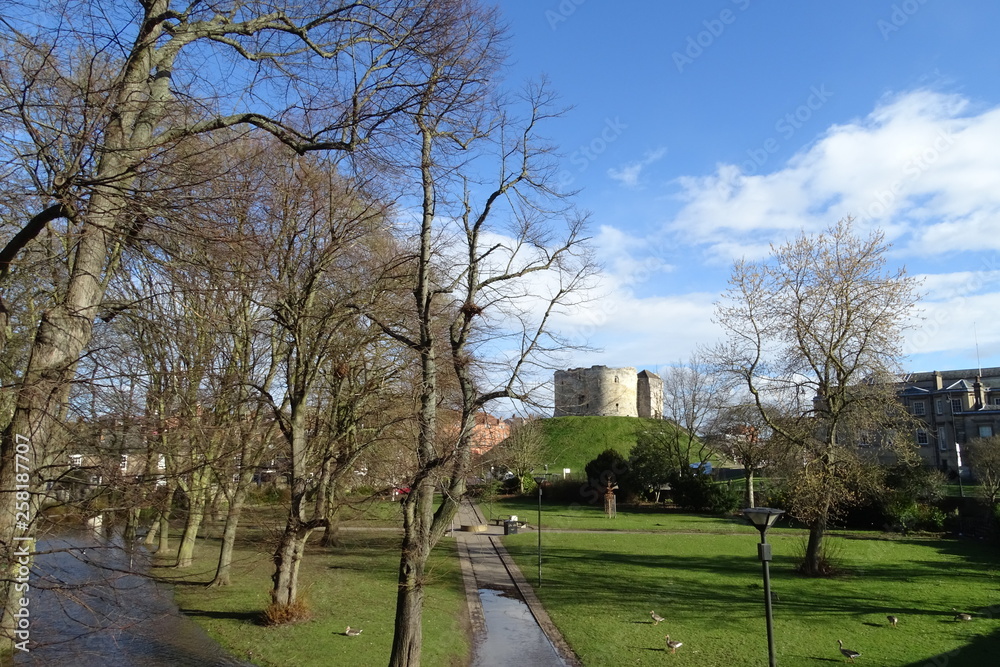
(280, 614)
(700, 494)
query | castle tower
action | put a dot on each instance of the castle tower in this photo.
(649, 395)
(601, 391)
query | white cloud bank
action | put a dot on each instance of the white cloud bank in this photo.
(922, 166)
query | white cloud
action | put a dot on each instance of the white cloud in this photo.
(629, 174)
(920, 166)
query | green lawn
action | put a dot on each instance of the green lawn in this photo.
(354, 584)
(559, 516)
(599, 589)
(573, 442)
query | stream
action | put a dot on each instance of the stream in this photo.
(90, 606)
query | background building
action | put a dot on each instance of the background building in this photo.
(955, 407)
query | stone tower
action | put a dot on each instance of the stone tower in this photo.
(600, 391)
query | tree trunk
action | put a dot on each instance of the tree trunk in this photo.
(407, 640)
(813, 565)
(131, 526)
(163, 546)
(196, 512)
(749, 488)
(331, 535)
(154, 528)
(228, 539)
(287, 558)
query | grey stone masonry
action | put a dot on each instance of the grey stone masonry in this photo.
(602, 391)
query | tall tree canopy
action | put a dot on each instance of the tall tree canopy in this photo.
(814, 333)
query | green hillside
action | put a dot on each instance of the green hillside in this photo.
(575, 441)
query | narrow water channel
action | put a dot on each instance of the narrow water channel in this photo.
(513, 638)
(90, 607)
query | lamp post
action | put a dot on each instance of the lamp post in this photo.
(539, 480)
(763, 518)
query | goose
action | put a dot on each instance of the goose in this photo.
(352, 632)
(959, 616)
(673, 644)
(846, 652)
(892, 620)
(656, 617)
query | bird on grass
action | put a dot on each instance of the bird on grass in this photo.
(656, 617)
(961, 616)
(352, 632)
(673, 644)
(846, 652)
(892, 620)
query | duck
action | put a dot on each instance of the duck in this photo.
(352, 632)
(673, 644)
(656, 617)
(892, 620)
(846, 652)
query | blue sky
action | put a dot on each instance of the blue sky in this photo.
(703, 131)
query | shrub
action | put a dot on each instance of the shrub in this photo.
(281, 614)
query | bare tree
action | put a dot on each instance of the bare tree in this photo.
(822, 315)
(739, 433)
(693, 395)
(96, 97)
(984, 459)
(497, 273)
(521, 452)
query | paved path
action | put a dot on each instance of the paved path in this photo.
(486, 565)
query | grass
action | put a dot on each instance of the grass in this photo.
(353, 584)
(559, 516)
(599, 590)
(573, 442)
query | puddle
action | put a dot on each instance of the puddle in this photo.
(513, 638)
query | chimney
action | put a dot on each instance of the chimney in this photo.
(938, 384)
(980, 394)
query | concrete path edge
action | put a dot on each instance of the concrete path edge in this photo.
(525, 589)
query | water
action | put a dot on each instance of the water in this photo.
(513, 638)
(90, 607)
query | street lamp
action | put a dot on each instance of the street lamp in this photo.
(539, 480)
(763, 518)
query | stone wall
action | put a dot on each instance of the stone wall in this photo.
(601, 391)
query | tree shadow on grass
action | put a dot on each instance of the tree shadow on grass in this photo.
(981, 650)
(716, 584)
(250, 617)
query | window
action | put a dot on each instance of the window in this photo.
(956, 405)
(918, 408)
(985, 431)
(124, 462)
(943, 438)
(922, 437)
(76, 460)
(939, 407)
(996, 400)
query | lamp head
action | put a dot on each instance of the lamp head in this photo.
(762, 518)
